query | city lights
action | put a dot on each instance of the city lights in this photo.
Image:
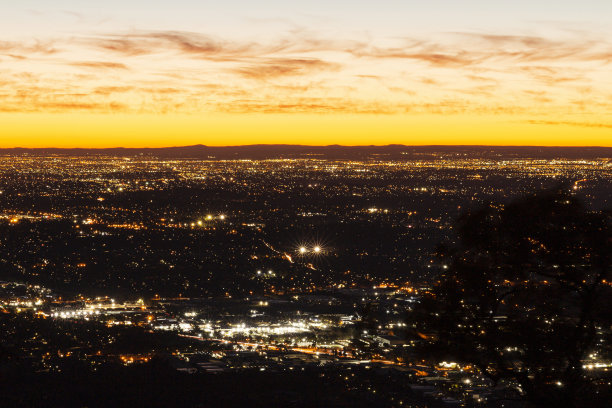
(329, 283)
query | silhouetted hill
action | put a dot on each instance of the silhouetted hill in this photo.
(263, 151)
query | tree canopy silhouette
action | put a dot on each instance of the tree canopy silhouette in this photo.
(526, 297)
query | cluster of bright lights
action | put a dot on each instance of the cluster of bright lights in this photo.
(181, 326)
(166, 327)
(594, 366)
(373, 210)
(28, 303)
(314, 250)
(74, 313)
(273, 329)
(209, 217)
(185, 326)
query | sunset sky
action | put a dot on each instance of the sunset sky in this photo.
(79, 73)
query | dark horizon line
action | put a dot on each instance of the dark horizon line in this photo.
(309, 146)
(326, 152)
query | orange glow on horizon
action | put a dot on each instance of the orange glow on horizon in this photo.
(34, 130)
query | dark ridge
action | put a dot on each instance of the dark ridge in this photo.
(276, 151)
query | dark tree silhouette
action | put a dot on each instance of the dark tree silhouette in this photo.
(526, 297)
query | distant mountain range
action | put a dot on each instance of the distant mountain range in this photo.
(263, 151)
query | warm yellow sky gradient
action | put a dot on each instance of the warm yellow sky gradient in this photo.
(146, 130)
(75, 80)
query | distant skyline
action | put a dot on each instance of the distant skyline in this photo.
(138, 73)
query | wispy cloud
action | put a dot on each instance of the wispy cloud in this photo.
(91, 106)
(569, 123)
(29, 47)
(285, 67)
(109, 90)
(308, 105)
(99, 65)
(455, 50)
(429, 54)
(192, 44)
(174, 71)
